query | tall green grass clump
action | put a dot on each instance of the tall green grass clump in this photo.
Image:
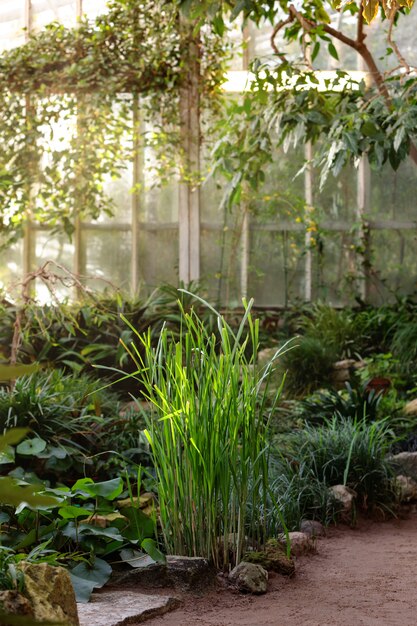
(351, 452)
(208, 435)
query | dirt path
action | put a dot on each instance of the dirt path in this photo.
(364, 576)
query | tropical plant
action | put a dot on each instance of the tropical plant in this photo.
(352, 403)
(338, 329)
(74, 424)
(308, 365)
(351, 452)
(298, 494)
(208, 434)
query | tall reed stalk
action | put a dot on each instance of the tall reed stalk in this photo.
(208, 435)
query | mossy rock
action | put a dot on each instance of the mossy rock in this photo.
(273, 558)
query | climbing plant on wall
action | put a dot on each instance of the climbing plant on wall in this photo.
(66, 103)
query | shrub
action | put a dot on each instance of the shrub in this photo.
(351, 452)
(350, 403)
(308, 365)
(296, 494)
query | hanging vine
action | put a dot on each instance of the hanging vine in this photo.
(66, 101)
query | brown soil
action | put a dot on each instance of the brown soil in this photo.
(362, 576)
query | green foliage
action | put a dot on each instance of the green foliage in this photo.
(64, 530)
(208, 435)
(349, 404)
(404, 346)
(73, 425)
(10, 576)
(351, 452)
(88, 80)
(297, 494)
(337, 329)
(308, 365)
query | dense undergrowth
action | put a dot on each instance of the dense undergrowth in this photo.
(153, 427)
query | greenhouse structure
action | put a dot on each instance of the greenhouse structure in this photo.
(360, 242)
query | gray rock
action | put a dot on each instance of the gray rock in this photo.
(406, 487)
(50, 593)
(266, 355)
(117, 608)
(345, 497)
(312, 528)
(249, 578)
(405, 463)
(411, 407)
(345, 364)
(300, 542)
(179, 572)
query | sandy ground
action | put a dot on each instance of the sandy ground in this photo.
(366, 575)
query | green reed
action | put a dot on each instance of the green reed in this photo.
(208, 435)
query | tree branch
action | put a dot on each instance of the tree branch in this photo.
(275, 32)
(360, 34)
(361, 48)
(394, 45)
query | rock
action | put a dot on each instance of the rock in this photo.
(411, 407)
(14, 603)
(249, 577)
(345, 497)
(50, 592)
(407, 488)
(300, 543)
(179, 572)
(117, 608)
(345, 364)
(312, 528)
(265, 356)
(405, 463)
(273, 558)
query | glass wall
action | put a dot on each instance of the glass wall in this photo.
(259, 250)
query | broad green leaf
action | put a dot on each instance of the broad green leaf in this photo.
(73, 512)
(12, 437)
(15, 494)
(109, 489)
(140, 525)
(7, 455)
(151, 548)
(109, 533)
(83, 588)
(11, 372)
(98, 573)
(31, 447)
(135, 558)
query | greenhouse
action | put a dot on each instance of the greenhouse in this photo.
(208, 336)
(176, 231)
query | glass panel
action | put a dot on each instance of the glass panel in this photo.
(394, 264)
(282, 195)
(158, 256)
(393, 193)
(276, 275)
(220, 266)
(107, 259)
(11, 265)
(12, 23)
(93, 8)
(334, 274)
(338, 198)
(46, 11)
(56, 248)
